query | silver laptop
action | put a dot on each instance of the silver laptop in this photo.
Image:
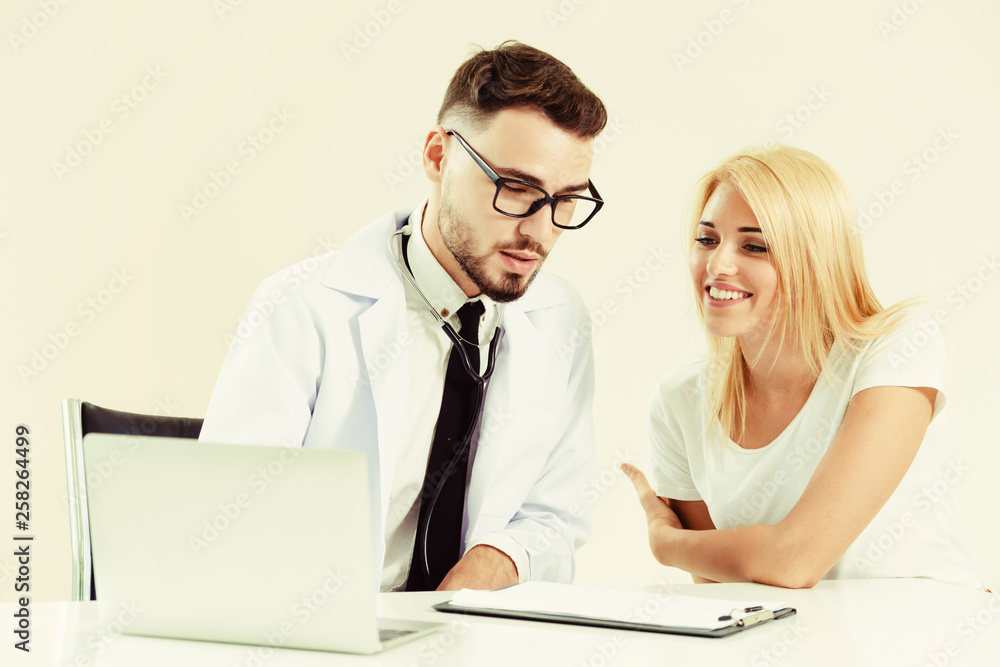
(254, 545)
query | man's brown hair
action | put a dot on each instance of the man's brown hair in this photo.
(518, 75)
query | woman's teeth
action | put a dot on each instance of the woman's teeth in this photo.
(723, 295)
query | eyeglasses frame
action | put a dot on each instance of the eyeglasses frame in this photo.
(499, 181)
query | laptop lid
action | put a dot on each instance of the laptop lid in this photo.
(233, 543)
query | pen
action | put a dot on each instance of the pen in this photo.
(746, 610)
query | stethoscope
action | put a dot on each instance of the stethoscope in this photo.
(480, 379)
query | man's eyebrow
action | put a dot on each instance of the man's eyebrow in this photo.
(519, 175)
(742, 230)
(577, 188)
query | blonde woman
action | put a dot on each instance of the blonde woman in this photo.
(811, 443)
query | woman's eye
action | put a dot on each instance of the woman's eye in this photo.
(755, 248)
(705, 241)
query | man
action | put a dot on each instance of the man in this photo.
(352, 356)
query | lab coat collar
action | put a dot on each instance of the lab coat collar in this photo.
(364, 266)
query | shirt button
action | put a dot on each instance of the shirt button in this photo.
(444, 312)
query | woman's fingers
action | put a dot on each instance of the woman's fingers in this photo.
(651, 503)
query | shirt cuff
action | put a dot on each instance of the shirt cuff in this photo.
(509, 546)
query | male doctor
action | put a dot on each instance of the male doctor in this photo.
(355, 355)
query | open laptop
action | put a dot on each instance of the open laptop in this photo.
(254, 545)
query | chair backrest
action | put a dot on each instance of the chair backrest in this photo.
(80, 418)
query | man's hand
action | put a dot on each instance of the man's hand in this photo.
(661, 520)
(483, 568)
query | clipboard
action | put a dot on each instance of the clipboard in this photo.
(741, 615)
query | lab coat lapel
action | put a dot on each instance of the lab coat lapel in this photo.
(367, 270)
(383, 336)
(509, 399)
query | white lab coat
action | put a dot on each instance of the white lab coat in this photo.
(320, 360)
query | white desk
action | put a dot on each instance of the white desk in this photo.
(906, 622)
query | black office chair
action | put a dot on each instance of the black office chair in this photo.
(80, 418)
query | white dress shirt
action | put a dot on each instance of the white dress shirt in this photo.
(429, 350)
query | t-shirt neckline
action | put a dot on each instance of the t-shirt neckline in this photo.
(834, 350)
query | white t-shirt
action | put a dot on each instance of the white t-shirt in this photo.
(914, 534)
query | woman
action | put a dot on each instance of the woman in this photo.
(810, 444)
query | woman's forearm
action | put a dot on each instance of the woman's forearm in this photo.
(750, 553)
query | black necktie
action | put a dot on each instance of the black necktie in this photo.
(443, 533)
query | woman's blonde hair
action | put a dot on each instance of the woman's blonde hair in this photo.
(809, 224)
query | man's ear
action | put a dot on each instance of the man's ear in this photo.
(434, 157)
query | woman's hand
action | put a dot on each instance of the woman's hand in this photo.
(661, 520)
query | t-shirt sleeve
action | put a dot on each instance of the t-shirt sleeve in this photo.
(913, 355)
(668, 449)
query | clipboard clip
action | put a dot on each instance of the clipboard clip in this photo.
(755, 615)
(754, 619)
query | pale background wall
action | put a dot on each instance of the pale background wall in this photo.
(884, 79)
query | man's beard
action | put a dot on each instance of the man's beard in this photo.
(457, 235)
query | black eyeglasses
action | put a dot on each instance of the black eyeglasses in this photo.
(518, 199)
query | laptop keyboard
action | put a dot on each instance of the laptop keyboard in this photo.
(388, 634)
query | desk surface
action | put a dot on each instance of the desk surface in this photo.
(906, 622)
